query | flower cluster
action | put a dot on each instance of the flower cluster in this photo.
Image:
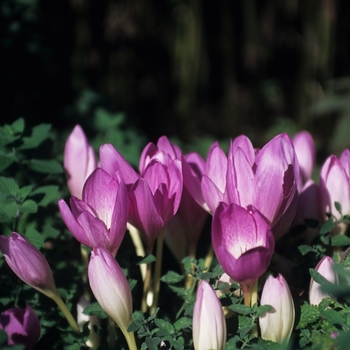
(253, 195)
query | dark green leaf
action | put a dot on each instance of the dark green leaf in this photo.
(39, 134)
(28, 206)
(45, 166)
(338, 207)
(263, 309)
(5, 162)
(152, 343)
(241, 309)
(309, 314)
(95, 310)
(317, 277)
(328, 226)
(50, 194)
(8, 186)
(340, 240)
(24, 191)
(3, 337)
(18, 125)
(332, 316)
(182, 323)
(172, 277)
(162, 324)
(147, 260)
(34, 237)
(346, 259)
(304, 249)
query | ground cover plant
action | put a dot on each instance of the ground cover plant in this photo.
(244, 248)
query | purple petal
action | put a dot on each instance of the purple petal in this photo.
(113, 162)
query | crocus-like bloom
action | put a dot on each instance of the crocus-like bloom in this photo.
(243, 243)
(21, 325)
(155, 194)
(306, 152)
(28, 263)
(209, 326)
(99, 219)
(334, 187)
(324, 268)
(79, 161)
(267, 181)
(277, 324)
(111, 290)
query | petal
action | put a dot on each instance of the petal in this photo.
(113, 162)
(211, 193)
(99, 192)
(245, 145)
(143, 213)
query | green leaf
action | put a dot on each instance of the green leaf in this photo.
(328, 226)
(152, 343)
(317, 277)
(338, 207)
(34, 237)
(182, 323)
(39, 134)
(304, 249)
(28, 206)
(309, 314)
(18, 126)
(95, 309)
(24, 191)
(8, 186)
(50, 194)
(332, 316)
(346, 259)
(162, 324)
(5, 161)
(241, 309)
(45, 166)
(263, 309)
(3, 337)
(340, 240)
(147, 260)
(172, 277)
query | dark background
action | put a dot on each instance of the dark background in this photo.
(188, 69)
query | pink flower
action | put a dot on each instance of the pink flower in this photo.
(306, 153)
(79, 161)
(111, 289)
(209, 326)
(21, 325)
(243, 243)
(334, 187)
(99, 219)
(28, 263)
(155, 194)
(267, 181)
(277, 325)
(325, 269)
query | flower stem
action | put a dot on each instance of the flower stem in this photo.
(157, 272)
(57, 299)
(253, 300)
(130, 339)
(111, 333)
(140, 251)
(146, 287)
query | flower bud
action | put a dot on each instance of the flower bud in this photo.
(324, 268)
(209, 327)
(21, 325)
(28, 263)
(277, 325)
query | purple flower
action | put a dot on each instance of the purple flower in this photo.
(99, 219)
(28, 263)
(79, 161)
(243, 243)
(155, 194)
(209, 326)
(21, 325)
(111, 289)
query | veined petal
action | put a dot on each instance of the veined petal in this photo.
(155, 174)
(211, 193)
(143, 213)
(216, 166)
(245, 145)
(99, 192)
(113, 162)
